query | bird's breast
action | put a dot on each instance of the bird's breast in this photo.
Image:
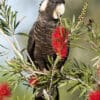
(43, 41)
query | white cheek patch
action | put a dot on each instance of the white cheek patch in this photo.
(60, 9)
(44, 5)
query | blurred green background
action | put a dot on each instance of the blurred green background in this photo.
(29, 9)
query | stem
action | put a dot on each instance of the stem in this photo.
(53, 71)
(18, 47)
(46, 95)
(33, 65)
(56, 61)
(16, 42)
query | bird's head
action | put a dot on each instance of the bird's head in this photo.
(52, 9)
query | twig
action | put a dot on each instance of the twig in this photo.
(53, 70)
(35, 72)
(17, 44)
(33, 65)
(46, 95)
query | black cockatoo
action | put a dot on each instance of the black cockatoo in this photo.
(39, 43)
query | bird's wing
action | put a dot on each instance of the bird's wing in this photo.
(31, 45)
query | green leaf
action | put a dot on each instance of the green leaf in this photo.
(23, 34)
(23, 50)
(16, 25)
(75, 88)
(5, 74)
(3, 46)
(7, 30)
(83, 92)
(4, 24)
(8, 14)
(15, 15)
(73, 19)
(50, 60)
(8, 10)
(11, 19)
(4, 2)
(72, 87)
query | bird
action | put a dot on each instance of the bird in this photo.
(39, 42)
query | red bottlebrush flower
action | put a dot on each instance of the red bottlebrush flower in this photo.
(94, 95)
(33, 81)
(60, 41)
(4, 90)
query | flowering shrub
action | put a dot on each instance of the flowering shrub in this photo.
(95, 95)
(4, 90)
(33, 81)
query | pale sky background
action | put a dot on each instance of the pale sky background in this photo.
(27, 9)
